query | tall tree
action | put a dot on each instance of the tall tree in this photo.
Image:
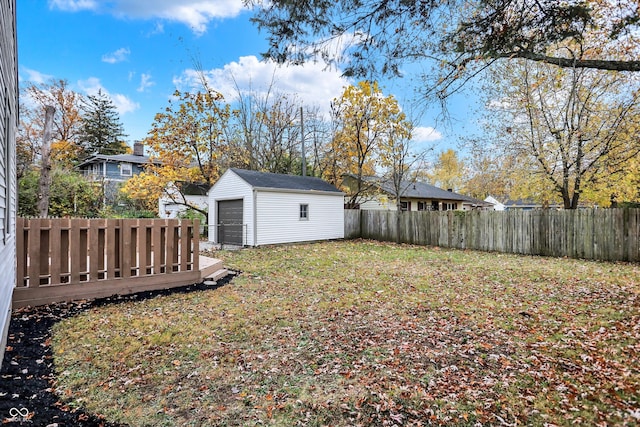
(486, 173)
(397, 156)
(574, 128)
(190, 142)
(279, 148)
(268, 123)
(65, 127)
(370, 37)
(44, 184)
(102, 132)
(448, 172)
(368, 124)
(317, 136)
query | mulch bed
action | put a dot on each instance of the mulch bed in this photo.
(27, 380)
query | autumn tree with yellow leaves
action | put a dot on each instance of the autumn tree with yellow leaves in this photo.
(189, 143)
(575, 133)
(367, 123)
(449, 171)
(66, 125)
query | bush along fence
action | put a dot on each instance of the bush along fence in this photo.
(598, 234)
(62, 259)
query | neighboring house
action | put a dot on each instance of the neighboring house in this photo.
(113, 170)
(414, 196)
(497, 205)
(528, 205)
(117, 167)
(249, 208)
(8, 129)
(174, 203)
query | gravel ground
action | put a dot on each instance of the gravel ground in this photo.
(27, 381)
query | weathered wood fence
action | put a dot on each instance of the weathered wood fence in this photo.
(599, 234)
(62, 259)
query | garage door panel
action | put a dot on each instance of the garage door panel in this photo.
(230, 222)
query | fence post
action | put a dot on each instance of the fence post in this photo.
(195, 251)
(185, 245)
(22, 235)
(33, 247)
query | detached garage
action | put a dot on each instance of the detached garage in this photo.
(249, 208)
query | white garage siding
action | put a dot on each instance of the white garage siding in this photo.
(278, 219)
(231, 187)
(271, 207)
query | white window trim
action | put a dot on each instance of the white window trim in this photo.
(129, 167)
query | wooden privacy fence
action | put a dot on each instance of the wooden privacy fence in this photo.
(61, 259)
(598, 234)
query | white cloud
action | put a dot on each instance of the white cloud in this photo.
(157, 29)
(314, 85)
(123, 104)
(34, 76)
(145, 82)
(117, 56)
(426, 134)
(195, 13)
(73, 5)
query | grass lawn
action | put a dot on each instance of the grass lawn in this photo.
(365, 333)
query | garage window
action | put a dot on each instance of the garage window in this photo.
(304, 212)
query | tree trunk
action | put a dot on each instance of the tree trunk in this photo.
(44, 184)
(399, 221)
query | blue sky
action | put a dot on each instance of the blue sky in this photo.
(140, 51)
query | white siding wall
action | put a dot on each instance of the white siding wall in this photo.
(8, 125)
(168, 209)
(231, 187)
(279, 220)
(379, 203)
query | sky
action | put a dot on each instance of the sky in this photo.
(140, 51)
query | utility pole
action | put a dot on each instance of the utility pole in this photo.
(304, 155)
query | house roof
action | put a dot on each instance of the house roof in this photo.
(421, 190)
(127, 158)
(284, 182)
(528, 203)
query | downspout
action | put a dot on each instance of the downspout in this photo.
(255, 217)
(213, 221)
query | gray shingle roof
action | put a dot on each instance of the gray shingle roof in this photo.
(421, 190)
(127, 158)
(285, 182)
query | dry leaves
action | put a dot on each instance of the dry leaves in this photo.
(364, 333)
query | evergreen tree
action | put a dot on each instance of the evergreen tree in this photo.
(102, 132)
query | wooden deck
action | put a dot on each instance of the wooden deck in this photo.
(210, 269)
(76, 259)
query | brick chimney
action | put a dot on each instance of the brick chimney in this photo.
(138, 148)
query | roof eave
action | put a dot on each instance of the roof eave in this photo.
(295, 190)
